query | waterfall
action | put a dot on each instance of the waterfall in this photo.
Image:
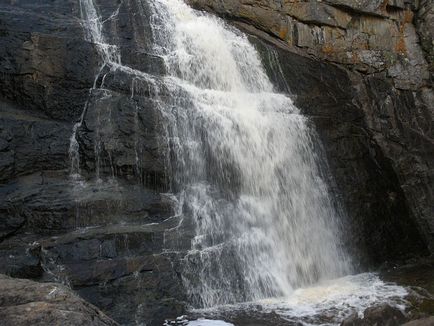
(245, 167)
(243, 161)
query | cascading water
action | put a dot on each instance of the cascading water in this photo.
(110, 56)
(245, 168)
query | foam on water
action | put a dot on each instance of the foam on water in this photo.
(209, 322)
(326, 303)
(339, 297)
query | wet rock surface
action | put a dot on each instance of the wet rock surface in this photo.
(421, 322)
(111, 239)
(25, 302)
(104, 234)
(417, 277)
(379, 315)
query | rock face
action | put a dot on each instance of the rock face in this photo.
(421, 322)
(379, 315)
(373, 110)
(24, 302)
(367, 36)
(355, 69)
(107, 238)
(385, 315)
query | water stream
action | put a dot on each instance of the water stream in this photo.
(245, 171)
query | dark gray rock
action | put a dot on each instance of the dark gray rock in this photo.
(105, 234)
(39, 70)
(379, 315)
(121, 269)
(372, 7)
(425, 28)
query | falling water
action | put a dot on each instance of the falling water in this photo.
(245, 167)
(110, 57)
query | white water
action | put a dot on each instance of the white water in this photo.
(207, 322)
(245, 166)
(338, 298)
(325, 303)
(245, 172)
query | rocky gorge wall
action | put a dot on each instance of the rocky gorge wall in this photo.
(113, 242)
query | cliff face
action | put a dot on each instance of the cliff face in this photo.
(378, 133)
(358, 71)
(365, 36)
(88, 235)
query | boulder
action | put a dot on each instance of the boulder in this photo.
(25, 302)
(383, 315)
(421, 322)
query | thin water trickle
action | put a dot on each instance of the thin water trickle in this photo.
(110, 56)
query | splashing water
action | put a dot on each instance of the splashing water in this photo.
(245, 167)
(326, 303)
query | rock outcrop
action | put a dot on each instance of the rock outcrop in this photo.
(24, 302)
(387, 316)
(378, 131)
(366, 36)
(421, 322)
(378, 315)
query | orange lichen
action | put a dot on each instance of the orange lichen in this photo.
(328, 49)
(400, 46)
(283, 33)
(408, 16)
(383, 6)
(355, 57)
